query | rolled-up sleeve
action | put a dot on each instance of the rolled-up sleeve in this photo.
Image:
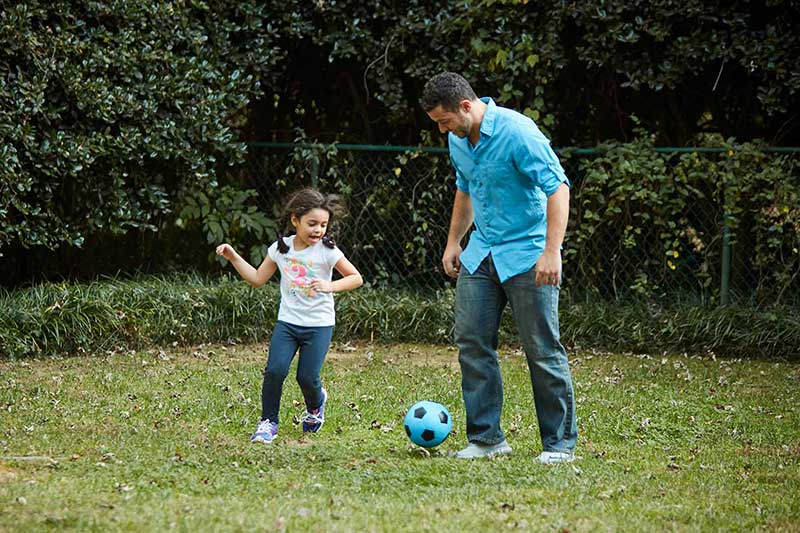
(534, 158)
(461, 182)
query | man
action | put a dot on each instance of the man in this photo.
(512, 186)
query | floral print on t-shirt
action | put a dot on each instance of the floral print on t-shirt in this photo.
(301, 274)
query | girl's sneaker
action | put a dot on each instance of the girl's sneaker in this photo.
(313, 420)
(265, 432)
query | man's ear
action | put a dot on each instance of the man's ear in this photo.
(465, 106)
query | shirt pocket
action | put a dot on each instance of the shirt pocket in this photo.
(517, 199)
(500, 179)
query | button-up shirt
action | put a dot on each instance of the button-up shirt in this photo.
(508, 175)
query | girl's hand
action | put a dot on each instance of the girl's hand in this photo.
(320, 285)
(226, 251)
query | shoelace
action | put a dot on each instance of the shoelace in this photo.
(310, 418)
(266, 427)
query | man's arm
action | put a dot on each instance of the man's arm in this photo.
(548, 268)
(460, 222)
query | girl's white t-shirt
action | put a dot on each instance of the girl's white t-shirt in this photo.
(300, 304)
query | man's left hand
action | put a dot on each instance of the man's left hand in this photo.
(548, 269)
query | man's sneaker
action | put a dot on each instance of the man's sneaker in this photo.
(476, 450)
(554, 458)
(313, 420)
(265, 433)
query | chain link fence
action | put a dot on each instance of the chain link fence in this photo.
(659, 234)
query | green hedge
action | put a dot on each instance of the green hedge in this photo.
(120, 117)
(651, 224)
(116, 115)
(63, 319)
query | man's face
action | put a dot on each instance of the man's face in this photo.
(458, 122)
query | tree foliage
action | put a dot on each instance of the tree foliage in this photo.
(112, 112)
(121, 118)
(583, 70)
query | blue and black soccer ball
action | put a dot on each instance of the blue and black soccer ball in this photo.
(428, 423)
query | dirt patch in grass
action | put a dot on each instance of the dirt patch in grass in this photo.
(423, 355)
(417, 354)
(787, 450)
(256, 353)
(8, 473)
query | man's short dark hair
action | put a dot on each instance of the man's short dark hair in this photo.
(447, 89)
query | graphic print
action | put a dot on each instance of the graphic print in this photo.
(300, 274)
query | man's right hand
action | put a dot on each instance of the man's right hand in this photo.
(450, 260)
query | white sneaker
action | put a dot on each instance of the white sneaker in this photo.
(553, 458)
(476, 450)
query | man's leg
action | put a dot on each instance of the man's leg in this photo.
(479, 305)
(536, 314)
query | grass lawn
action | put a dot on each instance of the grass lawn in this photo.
(158, 440)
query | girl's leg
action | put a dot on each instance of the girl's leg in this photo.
(314, 346)
(282, 348)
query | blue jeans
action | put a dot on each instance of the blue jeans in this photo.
(480, 300)
(286, 339)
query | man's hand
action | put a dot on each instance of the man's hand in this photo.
(548, 269)
(450, 260)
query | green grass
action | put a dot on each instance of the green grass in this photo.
(152, 440)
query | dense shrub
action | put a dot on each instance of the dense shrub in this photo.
(119, 118)
(581, 69)
(646, 224)
(116, 115)
(651, 224)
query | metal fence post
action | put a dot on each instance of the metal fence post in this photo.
(724, 291)
(315, 169)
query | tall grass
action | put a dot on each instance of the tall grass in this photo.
(636, 326)
(189, 309)
(183, 309)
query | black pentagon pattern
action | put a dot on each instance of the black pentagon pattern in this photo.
(419, 412)
(442, 417)
(408, 431)
(428, 435)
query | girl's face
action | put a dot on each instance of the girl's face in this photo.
(310, 228)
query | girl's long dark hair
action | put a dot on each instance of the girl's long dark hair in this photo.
(301, 202)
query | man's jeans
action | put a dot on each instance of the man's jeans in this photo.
(480, 299)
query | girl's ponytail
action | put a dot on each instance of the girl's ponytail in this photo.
(282, 246)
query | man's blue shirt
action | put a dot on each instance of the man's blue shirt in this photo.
(508, 175)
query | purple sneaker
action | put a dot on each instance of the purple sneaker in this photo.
(313, 420)
(265, 432)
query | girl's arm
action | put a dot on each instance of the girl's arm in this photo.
(351, 279)
(254, 277)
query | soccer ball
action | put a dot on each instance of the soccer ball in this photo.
(428, 424)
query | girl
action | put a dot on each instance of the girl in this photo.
(306, 313)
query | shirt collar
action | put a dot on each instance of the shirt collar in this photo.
(487, 123)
